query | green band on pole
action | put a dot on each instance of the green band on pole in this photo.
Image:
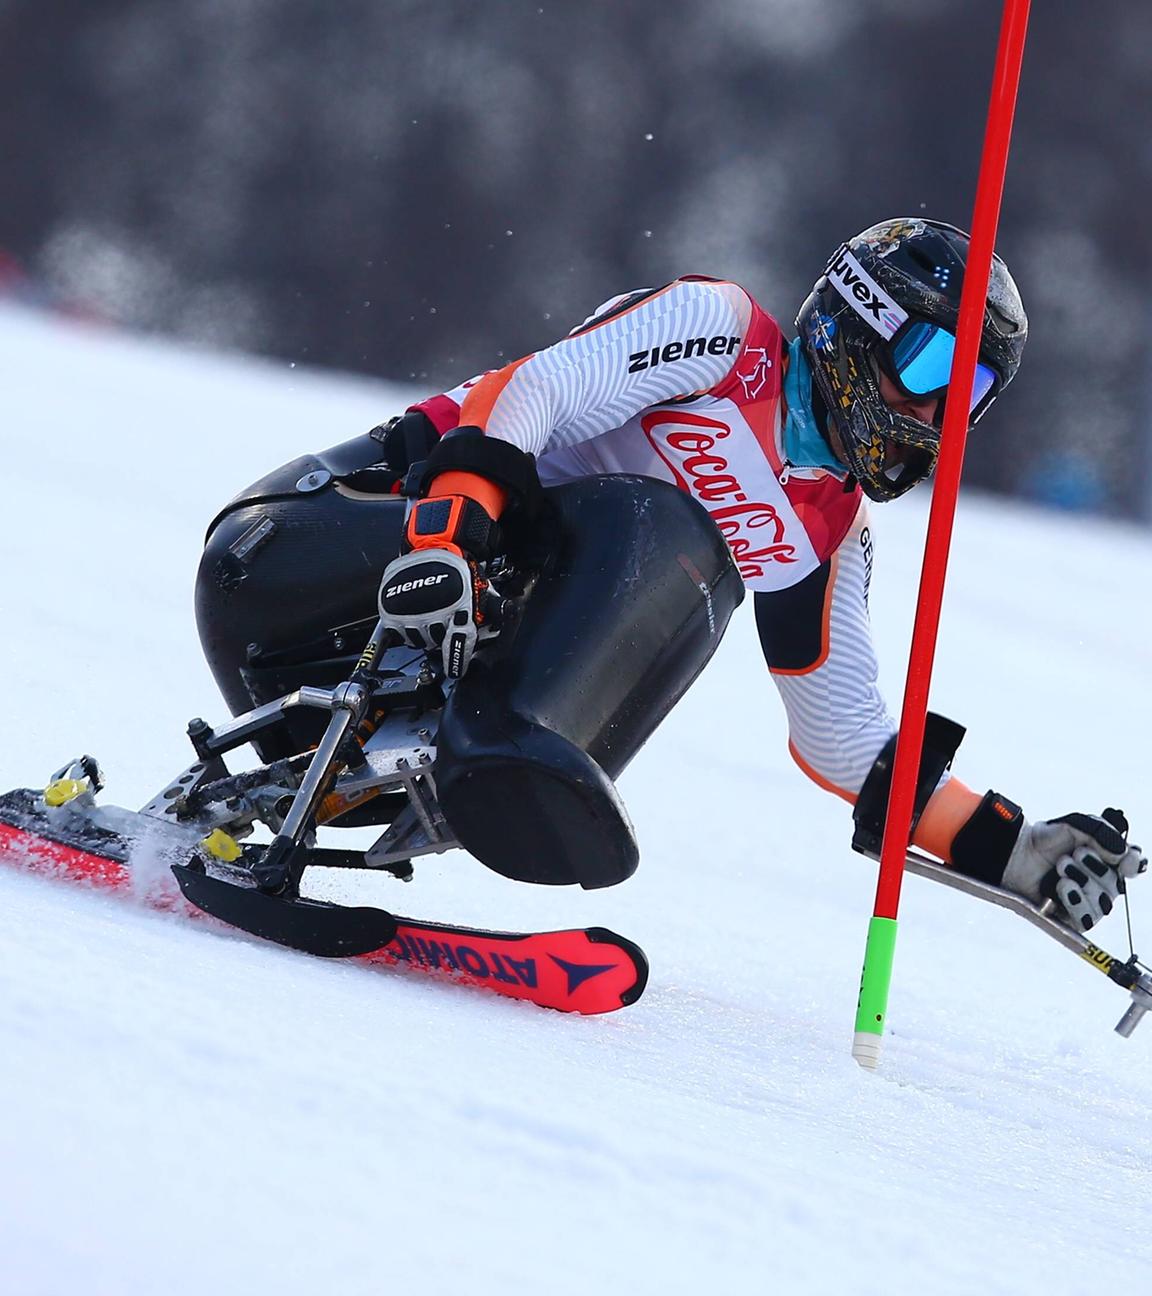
(876, 976)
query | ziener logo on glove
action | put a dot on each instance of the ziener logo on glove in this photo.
(405, 586)
(456, 656)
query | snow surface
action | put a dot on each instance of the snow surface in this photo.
(185, 1112)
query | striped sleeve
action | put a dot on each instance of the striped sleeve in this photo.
(837, 718)
(679, 341)
(818, 643)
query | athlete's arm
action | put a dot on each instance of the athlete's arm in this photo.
(678, 341)
(817, 641)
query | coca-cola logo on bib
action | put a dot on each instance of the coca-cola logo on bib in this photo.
(691, 446)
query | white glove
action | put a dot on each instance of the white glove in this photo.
(1079, 860)
(433, 598)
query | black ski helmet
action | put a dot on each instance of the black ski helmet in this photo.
(874, 292)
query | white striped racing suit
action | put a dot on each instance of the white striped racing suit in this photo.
(685, 384)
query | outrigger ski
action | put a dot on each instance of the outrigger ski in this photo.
(1130, 974)
(312, 926)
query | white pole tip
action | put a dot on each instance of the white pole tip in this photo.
(866, 1049)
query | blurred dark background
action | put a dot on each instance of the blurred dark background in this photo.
(421, 189)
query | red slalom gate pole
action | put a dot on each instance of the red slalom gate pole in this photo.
(876, 977)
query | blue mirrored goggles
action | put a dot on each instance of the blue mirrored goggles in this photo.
(921, 362)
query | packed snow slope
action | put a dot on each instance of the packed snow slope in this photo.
(188, 1112)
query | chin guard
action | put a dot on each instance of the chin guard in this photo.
(942, 738)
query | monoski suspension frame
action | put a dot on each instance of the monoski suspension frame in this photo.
(289, 794)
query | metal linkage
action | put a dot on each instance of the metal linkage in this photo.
(212, 741)
(173, 803)
(420, 828)
(293, 795)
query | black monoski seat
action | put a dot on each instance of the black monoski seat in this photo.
(629, 609)
(630, 604)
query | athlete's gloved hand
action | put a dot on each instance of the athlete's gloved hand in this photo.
(436, 595)
(1082, 861)
(404, 440)
(435, 598)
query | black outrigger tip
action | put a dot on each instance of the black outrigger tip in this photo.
(312, 926)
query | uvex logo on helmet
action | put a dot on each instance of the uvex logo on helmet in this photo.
(864, 294)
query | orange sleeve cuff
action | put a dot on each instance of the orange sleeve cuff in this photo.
(487, 494)
(481, 399)
(947, 811)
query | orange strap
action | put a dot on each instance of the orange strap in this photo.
(487, 494)
(434, 523)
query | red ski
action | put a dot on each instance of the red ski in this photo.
(584, 970)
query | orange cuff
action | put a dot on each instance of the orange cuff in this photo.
(947, 811)
(487, 494)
